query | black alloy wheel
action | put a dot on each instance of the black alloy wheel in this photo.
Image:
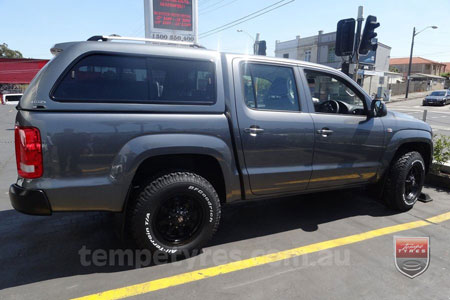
(412, 183)
(178, 219)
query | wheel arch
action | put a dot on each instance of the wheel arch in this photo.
(151, 154)
(409, 140)
(424, 148)
(204, 165)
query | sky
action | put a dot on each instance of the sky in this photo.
(33, 27)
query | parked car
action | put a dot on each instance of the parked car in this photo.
(441, 97)
(165, 135)
(11, 99)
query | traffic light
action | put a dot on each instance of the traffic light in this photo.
(345, 37)
(368, 34)
(262, 48)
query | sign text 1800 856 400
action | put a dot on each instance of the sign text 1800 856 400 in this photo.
(171, 20)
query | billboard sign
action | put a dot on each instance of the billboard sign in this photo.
(174, 20)
(369, 58)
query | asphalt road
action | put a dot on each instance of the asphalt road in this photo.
(40, 256)
(437, 116)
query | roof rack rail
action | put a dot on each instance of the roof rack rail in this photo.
(105, 38)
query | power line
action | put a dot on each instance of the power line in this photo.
(245, 18)
(201, 3)
(216, 8)
(212, 5)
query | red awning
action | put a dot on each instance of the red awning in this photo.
(19, 70)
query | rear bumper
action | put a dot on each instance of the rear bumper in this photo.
(31, 202)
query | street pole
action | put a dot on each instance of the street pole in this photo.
(360, 19)
(255, 40)
(147, 19)
(410, 62)
(256, 45)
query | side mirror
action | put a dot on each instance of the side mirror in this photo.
(378, 108)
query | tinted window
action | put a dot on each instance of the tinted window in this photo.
(437, 94)
(105, 78)
(181, 81)
(108, 78)
(332, 94)
(268, 87)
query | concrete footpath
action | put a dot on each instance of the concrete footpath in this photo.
(411, 96)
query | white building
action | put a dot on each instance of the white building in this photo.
(320, 49)
(317, 49)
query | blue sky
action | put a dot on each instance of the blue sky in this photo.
(32, 27)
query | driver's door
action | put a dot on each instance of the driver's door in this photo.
(348, 145)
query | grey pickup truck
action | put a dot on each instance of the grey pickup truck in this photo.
(166, 134)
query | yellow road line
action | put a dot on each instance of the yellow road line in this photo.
(159, 284)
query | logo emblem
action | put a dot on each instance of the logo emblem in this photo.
(412, 255)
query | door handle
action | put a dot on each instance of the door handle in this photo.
(254, 130)
(325, 132)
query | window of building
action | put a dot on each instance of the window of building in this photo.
(308, 55)
(333, 94)
(331, 54)
(286, 55)
(116, 78)
(268, 87)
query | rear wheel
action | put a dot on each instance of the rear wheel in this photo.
(175, 214)
(405, 181)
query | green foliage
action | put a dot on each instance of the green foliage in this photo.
(394, 69)
(447, 74)
(8, 53)
(441, 151)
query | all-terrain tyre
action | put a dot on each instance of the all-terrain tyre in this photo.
(175, 214)
(404, 181)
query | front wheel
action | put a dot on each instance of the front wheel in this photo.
(405, 181)
(175, 214)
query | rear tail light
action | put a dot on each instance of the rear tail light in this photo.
(28, 152)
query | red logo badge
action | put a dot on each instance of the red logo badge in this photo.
(412, 255)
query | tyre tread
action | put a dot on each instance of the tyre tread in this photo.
(391, 194)
(176, 177)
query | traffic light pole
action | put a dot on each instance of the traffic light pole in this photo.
(359, 20)
(256, 45)
(408, 79)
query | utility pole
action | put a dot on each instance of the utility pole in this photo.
(408, 79)
(255, 40)
(359, 20)
(410, 63)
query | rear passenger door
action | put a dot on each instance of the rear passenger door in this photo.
(277, 136)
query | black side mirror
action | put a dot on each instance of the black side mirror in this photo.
(378, 108)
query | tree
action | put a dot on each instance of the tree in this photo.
(394, 69)
(9, 53)
(446, 75)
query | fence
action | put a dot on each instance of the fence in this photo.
(415, 86)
